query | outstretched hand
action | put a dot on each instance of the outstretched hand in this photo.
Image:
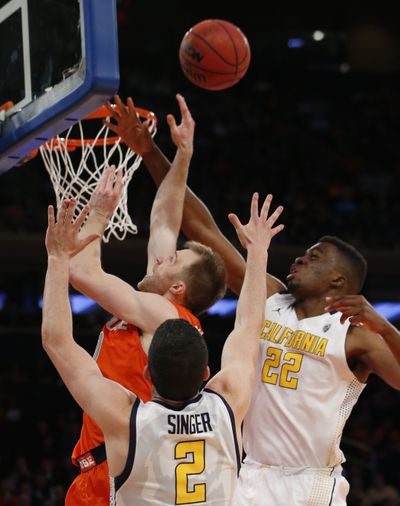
(260, 229)
(107, 193)
(182, 134)
(358, 310)
(128, 126)
(62, 235)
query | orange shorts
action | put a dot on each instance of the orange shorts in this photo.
(90, 488)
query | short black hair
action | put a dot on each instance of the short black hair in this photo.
(356, 262)
(178, 357)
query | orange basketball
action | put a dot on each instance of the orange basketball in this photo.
(214, 54)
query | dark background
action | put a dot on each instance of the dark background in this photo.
(317, 126)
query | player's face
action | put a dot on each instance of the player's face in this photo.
(311, 274)
(167, 271)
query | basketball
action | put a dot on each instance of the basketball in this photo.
(214, 54)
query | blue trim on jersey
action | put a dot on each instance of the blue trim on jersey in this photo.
(121, 478)
(333, 489)
(177, 408)
(234, 433)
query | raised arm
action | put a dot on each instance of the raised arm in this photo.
(144, 310)
(197, 222)
(166, 213)
(235, 381)
(105, 401)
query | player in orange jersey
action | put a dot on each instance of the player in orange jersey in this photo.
(177, 285)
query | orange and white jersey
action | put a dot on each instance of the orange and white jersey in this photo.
(186, 455)
(305, 390)
(120, 357)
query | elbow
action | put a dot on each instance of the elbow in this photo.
(46, 338)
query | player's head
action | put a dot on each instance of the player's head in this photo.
(194, 276)
(178, 359)
(330, 266)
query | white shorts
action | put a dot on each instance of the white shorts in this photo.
(260, 485)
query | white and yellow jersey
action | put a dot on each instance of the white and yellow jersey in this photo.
(186, 455)
(305, 390)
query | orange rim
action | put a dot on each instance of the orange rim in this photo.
(6, 106)
(102, 112)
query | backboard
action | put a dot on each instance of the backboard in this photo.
(59, 62)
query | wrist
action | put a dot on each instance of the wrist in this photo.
(101, 214)
(256, 251)
(149, 151)
(58, 258)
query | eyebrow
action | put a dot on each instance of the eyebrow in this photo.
(315, 250)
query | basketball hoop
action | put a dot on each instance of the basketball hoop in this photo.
(74, 168)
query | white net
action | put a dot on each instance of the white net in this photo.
(75, 171)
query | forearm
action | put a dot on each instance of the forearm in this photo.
(89, 259)
(57, 317)
(250, 308)
(156, 163)
(168, 204)
(242, 344)
(392, 338)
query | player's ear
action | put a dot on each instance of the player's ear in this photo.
(338, 280)
(207, 374)
(178, 288)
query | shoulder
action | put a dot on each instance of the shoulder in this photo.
(186, 314)
(280, 299)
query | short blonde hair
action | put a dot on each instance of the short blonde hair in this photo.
(205, 278)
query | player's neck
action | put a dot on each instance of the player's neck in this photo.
(170, 402)
(310, 307)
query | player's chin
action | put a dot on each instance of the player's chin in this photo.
(143, 284)
(292, 286)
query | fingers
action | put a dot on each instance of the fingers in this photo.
(265, 207)
(50, 217)
(339, 302)
(185, 113)
(276, 230)
(119, 106)
(102, 182)
(275, 215)
(82, 216)
(254, 205)
(171, 122)
(234, 220)
(131, 107)
(119, 183)
(111, 109)
(112, 126)
(70, 211)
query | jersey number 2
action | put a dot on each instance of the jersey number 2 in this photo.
(291, 363)
(197, 493)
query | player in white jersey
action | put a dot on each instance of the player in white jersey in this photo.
(183, 446)
(320, 343)
(195, 441)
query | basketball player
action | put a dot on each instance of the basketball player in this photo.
(178, 284)
(184, 446)
(320, 342)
